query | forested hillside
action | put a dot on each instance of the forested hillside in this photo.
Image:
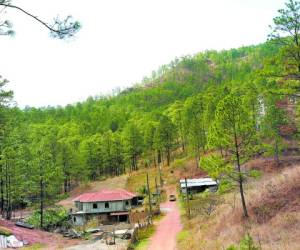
(178, 110)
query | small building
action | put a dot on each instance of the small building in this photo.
(198, 185)
(105, 205)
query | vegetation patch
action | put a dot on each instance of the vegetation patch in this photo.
(182, 236)
(52, 218)
(142, 238)
(5, 231)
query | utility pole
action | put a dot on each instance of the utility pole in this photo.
(157, 194)
(160, 178)
(187, 198)
(149, 196)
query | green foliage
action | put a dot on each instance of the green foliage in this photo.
(232, 247)
(225, 186)
(143, 190)
(142, 238)
(53, 217)
(182, 235)
(215, 166)
(246, 243)
(255, 173)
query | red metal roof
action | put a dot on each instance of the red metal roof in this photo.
(106, 195)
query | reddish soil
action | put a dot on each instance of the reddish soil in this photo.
(167, 229)
(49, 240)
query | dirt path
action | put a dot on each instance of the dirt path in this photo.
(165, 235)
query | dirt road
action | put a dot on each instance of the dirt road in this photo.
(167, 229)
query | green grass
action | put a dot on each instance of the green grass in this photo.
(143, 238)
(36, 246)
(181, 236)
(141, 245)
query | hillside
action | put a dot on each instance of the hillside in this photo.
(207, 114)
(137, 127)
(274, 206)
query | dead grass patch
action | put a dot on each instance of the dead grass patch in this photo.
(274, 223)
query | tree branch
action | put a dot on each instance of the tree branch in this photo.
(67, 30)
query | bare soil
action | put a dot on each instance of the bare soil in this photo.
(33, 236)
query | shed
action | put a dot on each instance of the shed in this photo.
(198, 185)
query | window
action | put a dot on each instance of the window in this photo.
(106, 205)
(95, 205)
(74, 219)
(127, 203)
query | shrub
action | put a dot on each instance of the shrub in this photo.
(53, 217)
(246, 243)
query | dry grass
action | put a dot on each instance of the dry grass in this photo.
(137, 180)
(180, 168)
(274, 207)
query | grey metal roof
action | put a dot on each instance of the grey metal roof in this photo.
(198, 182)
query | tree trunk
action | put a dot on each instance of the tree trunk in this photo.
(149, 197)
(42, 203)
(154, 160)
(2, 189)
(158, 157)
(168, 157)
(221, 151)
(9, 210)
(240, 180)
(276, 156)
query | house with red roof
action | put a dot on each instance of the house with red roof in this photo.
(105, 205)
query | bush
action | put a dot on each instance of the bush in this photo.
(246, 243)
(53, 217)
(143, 190)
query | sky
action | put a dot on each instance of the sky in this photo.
(120, 42)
